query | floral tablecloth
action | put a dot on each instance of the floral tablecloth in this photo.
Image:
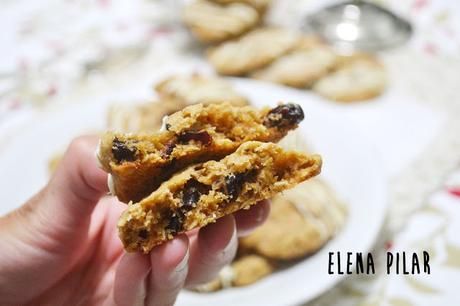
(55, 49)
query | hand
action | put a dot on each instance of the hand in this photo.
(61, 247)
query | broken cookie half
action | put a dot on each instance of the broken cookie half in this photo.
(204, 192)
(138, 164)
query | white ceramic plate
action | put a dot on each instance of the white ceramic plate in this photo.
(351, 166)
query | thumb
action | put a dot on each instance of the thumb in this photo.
(77, 184)
(62, 210)
(43, 238)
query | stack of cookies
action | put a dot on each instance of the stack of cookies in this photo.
(206, 162)
(288, 58)
(244, 47)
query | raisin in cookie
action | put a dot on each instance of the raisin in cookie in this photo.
(213, 23)
(138, 164)
(146, 117)
(204, 192)
(301, 221)
(358, 78)
(252, 51)
(300, 68)
(194, 89)
(244, 271)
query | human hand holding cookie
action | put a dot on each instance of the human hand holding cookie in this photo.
(61, 247)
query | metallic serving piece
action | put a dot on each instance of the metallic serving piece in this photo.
(359, 25)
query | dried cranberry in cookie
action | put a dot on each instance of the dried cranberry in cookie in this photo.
(176, 220)
(192, 193)
(122, 152)
(200, 136)
(285, 115)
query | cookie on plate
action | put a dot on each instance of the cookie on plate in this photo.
(260, 5)
(357, 78)
(300, 68)
(138, 164)
(301, 221)
(204, 192)
(213, 23)
(146, 117)
(195, 88)
(252, 51)
(244, 271)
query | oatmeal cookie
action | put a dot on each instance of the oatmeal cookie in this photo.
(252, 51)
(243, 271)
(301, 221)
(357, 78)
(260, 5)
(213, 23)
(204, 192)
(146, 117)
(300, 68)
(194, 89)
(138, 164)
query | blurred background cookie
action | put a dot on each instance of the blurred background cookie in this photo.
(301, 221)
(252, 51)
(213, 23)
(244, 271)
(192, 89)
(145, 117)
(259, 5)
(300, 68)
(358, 78)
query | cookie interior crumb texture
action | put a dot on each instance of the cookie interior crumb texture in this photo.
(205, 192)
(140, 163)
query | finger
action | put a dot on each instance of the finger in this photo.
(248, 220)
(129, 286)
(169, 263)
(213, 248)
(49, 230)
(49, 219)
(78, 183)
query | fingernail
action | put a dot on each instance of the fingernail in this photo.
(183, 263)
(260, 216)
(97, 154)
(231, 247)
(111, 185)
